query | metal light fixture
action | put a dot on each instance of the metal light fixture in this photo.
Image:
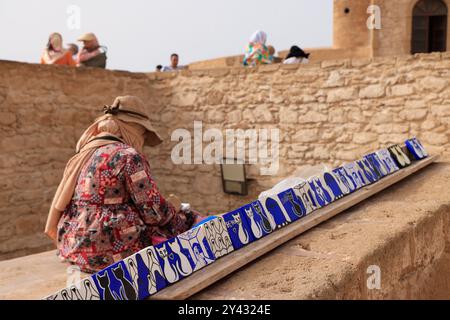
(234, 180)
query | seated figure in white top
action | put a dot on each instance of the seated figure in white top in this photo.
(173, 64)
(296, 55)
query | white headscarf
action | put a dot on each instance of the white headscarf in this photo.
(259, 37)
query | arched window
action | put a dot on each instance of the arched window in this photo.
(429, 32)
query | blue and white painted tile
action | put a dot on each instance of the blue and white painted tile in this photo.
(83, 290)
(401, 158)
(353, 171)
(276, 213)
(219, 240)
(199, 249)
(376, 164)
(387, 160)
(321, 193)
(293, 206)
(346, 182)
(175, 260)
(238, 229)
(416, 148)
(334, 185)
(304, 192)
(366, 170)
(115, 283)
(257, 219)
(146, 272)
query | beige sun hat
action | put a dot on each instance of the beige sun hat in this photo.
(132, 109)
(87, 37)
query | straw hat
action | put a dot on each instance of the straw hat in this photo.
(132, 109)
(87, 37)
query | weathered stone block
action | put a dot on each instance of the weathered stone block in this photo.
(372, 91)
(341, 94)
(402, 90)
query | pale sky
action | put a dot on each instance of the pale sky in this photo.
(140, 34)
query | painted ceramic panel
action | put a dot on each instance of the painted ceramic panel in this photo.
(416, 148)
(334, 185)
(353, 171)
(387, 160)
(115, 283)
(175, 260)
(276, 213)
(304, 192)
(84, 290)
(376, 164)
(199, 249)
(146, 272)
(257, 219)
(292, 204)
(401, 159)
(321, 193)
(238, 229)
(216, 234)
(367, 171)
(346, 182)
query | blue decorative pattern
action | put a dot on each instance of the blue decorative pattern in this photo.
(304, 192)
(146, 272)
(115, 283)
(333, 185)
(346, 182)
(276, 213)
(216, 234)
(387, 160)
(321, 194)
(238, 229)
(293, 206)
(256, 218)
(416, 148)
(175, 260)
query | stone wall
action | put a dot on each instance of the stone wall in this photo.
(43, 110)
(327, 112)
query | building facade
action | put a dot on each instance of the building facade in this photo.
(386, 27)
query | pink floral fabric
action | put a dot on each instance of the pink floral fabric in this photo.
(116, 210)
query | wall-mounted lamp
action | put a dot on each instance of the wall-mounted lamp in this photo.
(234, 180)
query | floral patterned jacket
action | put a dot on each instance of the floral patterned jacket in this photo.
(115, 211)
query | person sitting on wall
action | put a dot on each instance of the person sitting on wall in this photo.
(107, 206)
(92, 54)
(257, 52)
(272, 56)
(73, 48)
(296, 55)
(158, 68)
(174, 59)
(54, 52)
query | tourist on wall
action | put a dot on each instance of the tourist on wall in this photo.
(296, 55)
(92, 54)
(257, 52)
(158, 68)
(107, 205)
(73, 48)
(174, 60)
(54, 52)
(273, 58)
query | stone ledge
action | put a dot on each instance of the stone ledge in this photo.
(404, 230)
